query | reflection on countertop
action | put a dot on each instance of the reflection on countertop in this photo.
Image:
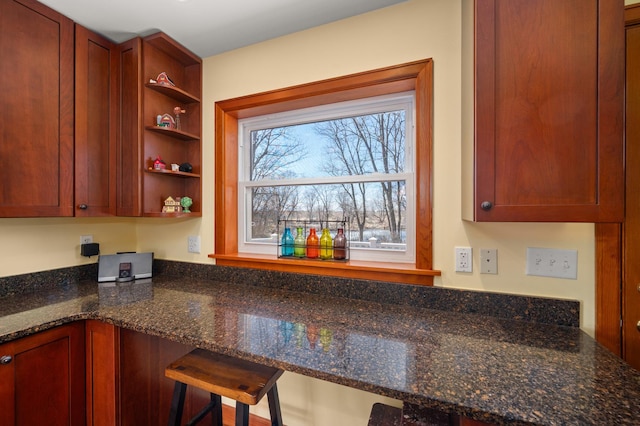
(428, 351)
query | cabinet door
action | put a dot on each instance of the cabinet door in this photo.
(129, 179)
(36, 145)
(44, 382)
(96, 124)
(549, 86)
(103, 371)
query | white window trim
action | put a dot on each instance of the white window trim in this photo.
(397, 101)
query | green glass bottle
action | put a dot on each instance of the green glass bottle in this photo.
(326, 245)
(299, 243)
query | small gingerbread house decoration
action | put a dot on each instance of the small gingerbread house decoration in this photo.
(172, 205)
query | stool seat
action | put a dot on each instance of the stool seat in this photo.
(245, 382)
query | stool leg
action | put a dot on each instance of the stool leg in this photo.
(274, 406)
(177, 404)
(242, 414)
(216, 412)
(214, 407)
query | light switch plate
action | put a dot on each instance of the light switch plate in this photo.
(555, 263)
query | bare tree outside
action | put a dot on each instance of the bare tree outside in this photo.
(363, 145)
(273, 151)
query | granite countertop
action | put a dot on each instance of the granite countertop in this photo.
(497, 370)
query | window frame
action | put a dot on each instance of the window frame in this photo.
(404, 101)
(416, 76)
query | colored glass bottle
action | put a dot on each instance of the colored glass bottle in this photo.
(312, 244)
(299, 243)
(326, 245)
(340, 245)
(287, 242)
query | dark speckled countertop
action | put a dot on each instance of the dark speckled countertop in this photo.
(500, 369)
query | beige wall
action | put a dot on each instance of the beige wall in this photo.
(410, 31)
(413, 30)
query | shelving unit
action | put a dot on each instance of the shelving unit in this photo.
(181, 145)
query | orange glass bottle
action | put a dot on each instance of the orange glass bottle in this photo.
(312, 244)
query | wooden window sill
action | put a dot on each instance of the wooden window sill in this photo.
(379, 271)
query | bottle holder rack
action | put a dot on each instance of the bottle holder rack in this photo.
(306, 225)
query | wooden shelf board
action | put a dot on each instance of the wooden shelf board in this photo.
(176, 215)
(172, 173)
(173, 92)
(179, 134)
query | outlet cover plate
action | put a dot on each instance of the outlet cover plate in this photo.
(464, 259)
(193, 244)
(555, 263)
(488, 261)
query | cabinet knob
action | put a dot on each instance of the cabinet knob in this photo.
(486, 205)
(82, 206)
(638, 325)
(5, 359)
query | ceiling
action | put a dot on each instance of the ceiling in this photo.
(209, 27)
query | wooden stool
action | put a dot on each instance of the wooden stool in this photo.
(243, 381)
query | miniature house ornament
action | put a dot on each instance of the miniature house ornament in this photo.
(172, 205)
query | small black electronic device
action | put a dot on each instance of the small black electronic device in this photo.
(112, 266)
(125, 272)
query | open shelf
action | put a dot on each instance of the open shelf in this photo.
(174, 215)
(174, 92)
(168, 172)
(175, 133)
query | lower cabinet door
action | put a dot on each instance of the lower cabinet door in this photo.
(42, 378)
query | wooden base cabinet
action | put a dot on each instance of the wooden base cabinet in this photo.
(103, 373)
(42, 378)
(544, 140)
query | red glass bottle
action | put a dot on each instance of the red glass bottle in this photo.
(312, 244)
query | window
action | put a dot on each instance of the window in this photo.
(392, 93)
(351, 160)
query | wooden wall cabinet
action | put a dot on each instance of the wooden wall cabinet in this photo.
(143, 140)
(37, 51)
(548, 96)
(96, 124)
(60, 118)
(42, 378)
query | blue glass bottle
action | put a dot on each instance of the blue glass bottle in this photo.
(287, 242)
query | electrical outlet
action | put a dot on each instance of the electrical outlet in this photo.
(488, 261)
(193, 244)
(556, 263)
(86, 239)
(464, 260)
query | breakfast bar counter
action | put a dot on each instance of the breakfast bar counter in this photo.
(502, 369)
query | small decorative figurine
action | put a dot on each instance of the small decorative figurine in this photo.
(186, 202)
(159, 164)
(186, 167)
(162, 79)
(177, 111)
(167, 120)
(172, 205)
